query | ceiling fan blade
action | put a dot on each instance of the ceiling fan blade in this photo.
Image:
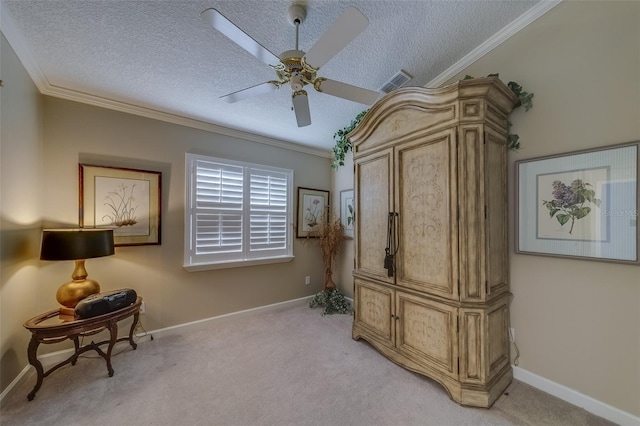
(249, 92)
(342, 32)
(235, 34)
(301, 108)
(346, 91)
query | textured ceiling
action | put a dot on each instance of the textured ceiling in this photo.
(161, 56)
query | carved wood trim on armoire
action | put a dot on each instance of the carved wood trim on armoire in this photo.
(431, 288)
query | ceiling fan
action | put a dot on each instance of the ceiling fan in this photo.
(295, 67)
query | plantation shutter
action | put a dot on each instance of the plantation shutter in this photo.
(236, 212)
(268, 211)
(218, 209)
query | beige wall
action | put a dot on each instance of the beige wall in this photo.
(577, 323)
(77, 133)
(343, 180)
(20, 210)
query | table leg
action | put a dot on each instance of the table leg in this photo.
(32, 353)
(76, 344)
(134, 345)
(113, 332)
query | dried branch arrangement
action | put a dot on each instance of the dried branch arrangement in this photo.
(330, 236)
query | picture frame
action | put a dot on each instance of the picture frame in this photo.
(127, 200)
(347, 212)
(581, 205)
(313, 207)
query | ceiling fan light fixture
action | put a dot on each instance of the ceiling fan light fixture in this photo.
(300, 102)
(297, 83)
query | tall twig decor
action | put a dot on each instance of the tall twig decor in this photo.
(330, 236)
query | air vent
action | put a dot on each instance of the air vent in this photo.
(398, 80)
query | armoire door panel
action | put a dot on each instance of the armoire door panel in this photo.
(498, 342)
(472, 212)
(374, 310)
(472, 338)
(496, 201)
(427, 330)
(484, 345)
(425, 194)
(374, 197)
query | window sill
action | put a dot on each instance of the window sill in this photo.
(236, 263)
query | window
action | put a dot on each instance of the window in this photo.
(236, 214)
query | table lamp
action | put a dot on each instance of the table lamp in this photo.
(77, 245)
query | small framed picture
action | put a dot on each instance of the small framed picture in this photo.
(313, 209)
(581, 205)
(347, 212)
(127, 200)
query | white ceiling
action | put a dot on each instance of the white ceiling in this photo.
(159, 59)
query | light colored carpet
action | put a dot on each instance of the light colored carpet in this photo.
(287, 366)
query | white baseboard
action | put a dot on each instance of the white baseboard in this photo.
(51, 359)
(20, 378)
(162, 331)
(574, 397)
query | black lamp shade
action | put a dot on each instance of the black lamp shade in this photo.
(75, 244)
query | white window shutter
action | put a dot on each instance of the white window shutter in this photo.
(236, 211)
(268, 210)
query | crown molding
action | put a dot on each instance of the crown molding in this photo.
(148, 112)
(13, 34)
(494, 41)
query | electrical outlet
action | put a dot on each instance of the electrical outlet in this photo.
(512, 334)
(142, 308)
(307, 280)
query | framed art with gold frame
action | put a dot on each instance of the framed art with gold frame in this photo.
(127, 200)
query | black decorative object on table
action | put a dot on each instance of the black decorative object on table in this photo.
(103, 303)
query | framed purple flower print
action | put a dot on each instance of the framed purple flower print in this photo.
(581, 205)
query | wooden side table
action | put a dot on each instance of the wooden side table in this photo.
(51, 327)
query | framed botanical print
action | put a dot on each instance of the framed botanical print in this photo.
(581, 204)
(347, 212)
(127, 200)
(313, 209)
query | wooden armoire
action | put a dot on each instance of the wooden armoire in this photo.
(431, 288)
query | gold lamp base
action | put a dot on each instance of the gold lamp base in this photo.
(69, 294)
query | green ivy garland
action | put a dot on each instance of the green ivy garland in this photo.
(343, 144)
(526, 100)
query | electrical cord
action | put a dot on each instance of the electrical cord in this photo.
(512, 339)
(516, 359)
(145, 332)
